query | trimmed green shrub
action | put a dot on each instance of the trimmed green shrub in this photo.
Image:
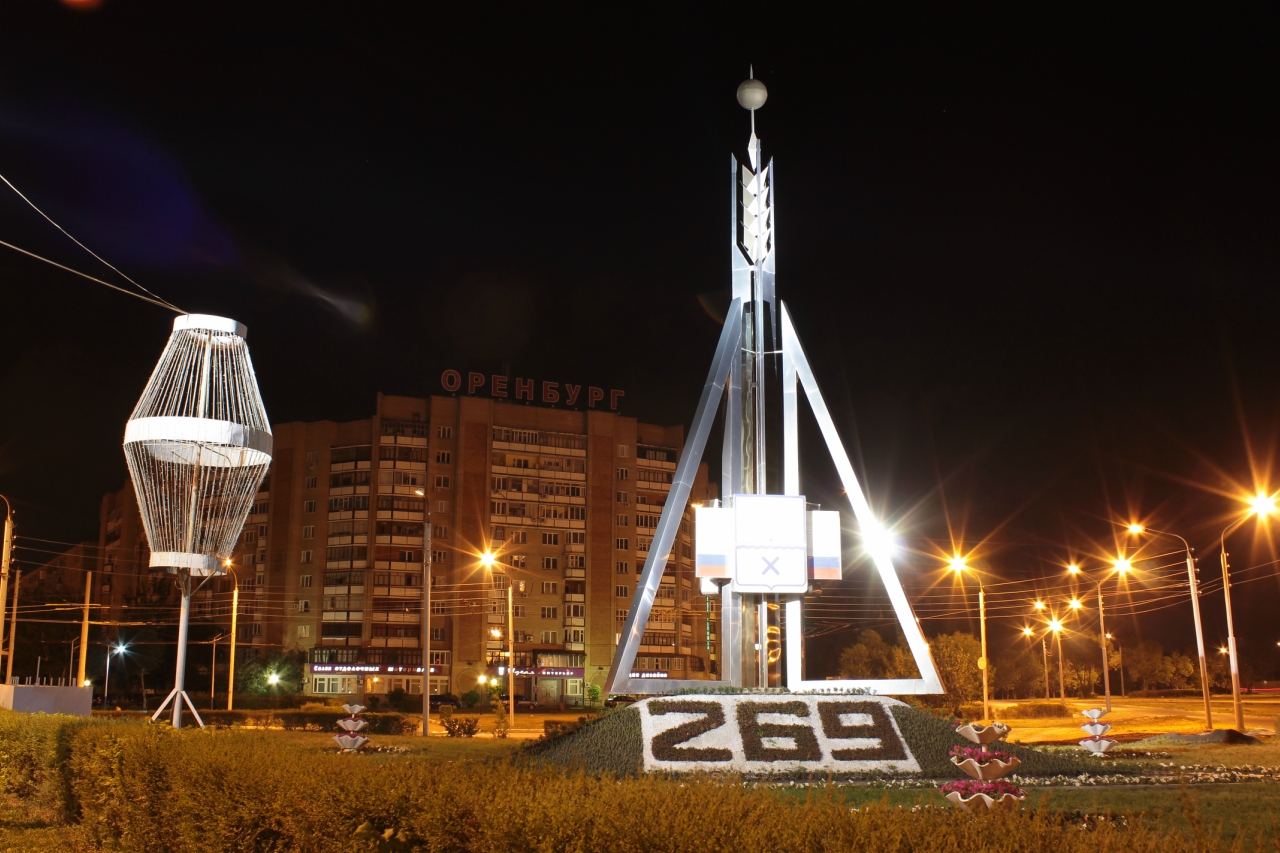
(157, 789)
(610, 743)
(34, 749)
(461, 726)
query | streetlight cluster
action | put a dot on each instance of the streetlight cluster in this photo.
(1260, 506)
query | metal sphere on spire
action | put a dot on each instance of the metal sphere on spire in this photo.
(752, 94)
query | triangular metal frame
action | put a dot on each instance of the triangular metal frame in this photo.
(795, 370)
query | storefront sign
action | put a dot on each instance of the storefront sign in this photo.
(551, 671)
(371, 668)
(552, 393)
(777, 733)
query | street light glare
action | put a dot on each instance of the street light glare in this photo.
(1039, 605)
(1123, 566)
(273, 678)
(1262, 505)
(958, 564)
(1027, 632)
(1075, 604)
(488, 560)
(1073, 569)
(1055, 625)
(1137, 529)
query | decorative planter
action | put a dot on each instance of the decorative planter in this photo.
(1096, 744)
(351, 740)
(975, 802)
(983, 735)
(989, 770)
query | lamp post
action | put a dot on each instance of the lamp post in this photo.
(1055, 625)
(106, 684)
(4, 569)
(1261, 506)
(1122, 568)
(959, 566)
(1044, 649)
(235, 613)
(1138, 530)
(1120, 652)
(489, 560)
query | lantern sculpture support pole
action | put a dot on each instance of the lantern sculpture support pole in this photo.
(231, 665)
(179, 678)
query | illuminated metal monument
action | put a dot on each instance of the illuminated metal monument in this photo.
(198, 445)
(758, 551)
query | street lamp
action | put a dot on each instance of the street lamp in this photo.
(1139, 529)
(959, 566)
(106, 684)
(1055, 625)
(488, 560)
(1122, 568)
(1044, 649)
(1260, 506)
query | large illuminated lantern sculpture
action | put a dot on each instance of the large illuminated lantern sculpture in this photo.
(760, 552)
(198, 445)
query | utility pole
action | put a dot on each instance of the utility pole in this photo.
(984, 663)
(13, 626)
(511, 656)
(426, 623)
(84, 628)
(213, 675)
(1044, 647)
(4, 565)
(231, 667)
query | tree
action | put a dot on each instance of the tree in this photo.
(872, 657)
(1182, 670)
(255, 675)
(1018, 673)
(1081, 678)
(956, 657)
(1145, 663)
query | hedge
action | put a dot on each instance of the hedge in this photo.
(156, 789)
(325, 720)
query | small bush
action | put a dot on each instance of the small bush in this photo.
(461, 726)
(471, 698)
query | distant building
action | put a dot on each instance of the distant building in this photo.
(331, 558)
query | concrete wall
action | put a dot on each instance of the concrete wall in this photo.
(36, 699)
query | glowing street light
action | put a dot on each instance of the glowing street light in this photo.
(1123, 566)
(273, 679)
(1139, 529)
(1261, 506)
(1075, 604)
(1039, 605)
(118, 649)
(958, 565)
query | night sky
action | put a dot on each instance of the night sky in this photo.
(1032, 253)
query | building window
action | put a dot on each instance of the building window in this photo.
(622, 521)
(304, 580)
(575, 611)
(437, 633)
(313, 456)
(442, 482)
(439, 556)
(257, 629)
(577, 537)
(444, 457)
(551, 613)
(622, 544)
(577, 561)
(311, 483)
(550, 562)
(622, 567)
(325, 683)
(519, 537)
(309, 532)
(444, 432)
(624, 474)
(439, 531)
(519, 611)
(304, 606)
(622, 591)
(624, 450)
(578, 513)
(497, 507)
(442, 506)
(304, 631)
(548, 637)
(624, 498)
(550, 587)
(308, 506)
(306, 556)
(551, 539)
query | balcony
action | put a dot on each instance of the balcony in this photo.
(575, 647)
(399, 515)
(574, 597)
(575, 573)
(575, 622)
